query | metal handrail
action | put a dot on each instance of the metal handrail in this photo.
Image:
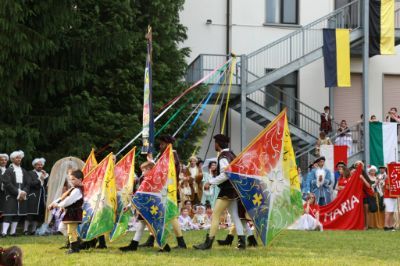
(357, 141)
(304, 41)
(308, 26)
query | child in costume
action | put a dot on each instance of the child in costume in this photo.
(72, 201)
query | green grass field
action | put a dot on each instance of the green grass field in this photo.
(289, 248)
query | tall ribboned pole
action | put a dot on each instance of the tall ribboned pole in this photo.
(366, 82)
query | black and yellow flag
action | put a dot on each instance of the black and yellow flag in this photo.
(336, 52)
(381, 27)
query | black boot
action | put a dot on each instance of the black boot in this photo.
(227, 242)
(66, 245)
(206, 245)
(251, 241)
(102, 242)
(166, 248)
(132, 246)
(181, 243)
(74, 248)
(241, 242)
(149, 242)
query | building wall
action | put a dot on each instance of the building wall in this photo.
(249, 32)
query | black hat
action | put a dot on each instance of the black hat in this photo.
(340, 163)
(167, 139)
(384, 167)
(322, 158)
(222, 138)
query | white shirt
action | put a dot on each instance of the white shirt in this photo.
(73, 197)
(18, 174)
(222, 177)
(2, 169)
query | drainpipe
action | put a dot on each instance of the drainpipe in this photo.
(228, 27)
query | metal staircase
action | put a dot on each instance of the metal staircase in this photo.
(257, 71)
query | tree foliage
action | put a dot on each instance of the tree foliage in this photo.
(71, 74)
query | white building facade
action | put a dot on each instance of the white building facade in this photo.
(240, 26)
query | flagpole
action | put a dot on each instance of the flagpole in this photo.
(366, 82)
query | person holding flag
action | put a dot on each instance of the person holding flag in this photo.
(227, 197)
(165, 140)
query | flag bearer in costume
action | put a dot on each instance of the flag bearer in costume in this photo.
(72, 202)
(227, 197)
(3, 167)
(164, 141)
(16, 189)
(144, 167)
(36, 197)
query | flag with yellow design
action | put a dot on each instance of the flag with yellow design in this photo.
(90, 163)
(156, 198)
(265, 176)
(124, 179)
(99, 200)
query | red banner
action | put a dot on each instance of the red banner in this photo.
(346, 211)
(394, 179)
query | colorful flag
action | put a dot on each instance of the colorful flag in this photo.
(148, 118)
(156, 198)
(90, 163)
(333, 154)
(336, 50)
(383, 143)
(124, 178)
(394, 179)
(381, 27)
(265, 175)
(346, 211)
(99, 200)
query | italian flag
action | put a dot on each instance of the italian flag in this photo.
(383, 143)
(333, 154)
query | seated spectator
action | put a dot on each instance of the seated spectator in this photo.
(185, 190)
(200, 217)
(225, 220)
(209, 212)
(344, 137)
(189, 206)
(322, 140)
(185, 221)
(310, 219)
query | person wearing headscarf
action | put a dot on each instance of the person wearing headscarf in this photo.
(36, 198)
(16, 182)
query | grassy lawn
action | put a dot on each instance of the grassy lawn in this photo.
(290, 248)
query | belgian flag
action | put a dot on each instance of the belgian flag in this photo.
(336, 52)
(381, 27)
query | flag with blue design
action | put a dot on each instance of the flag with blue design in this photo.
(156, 198)
(124, 179)
(265, 176)
(99, 200)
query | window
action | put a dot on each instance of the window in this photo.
(282, 11)
(283, 93)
